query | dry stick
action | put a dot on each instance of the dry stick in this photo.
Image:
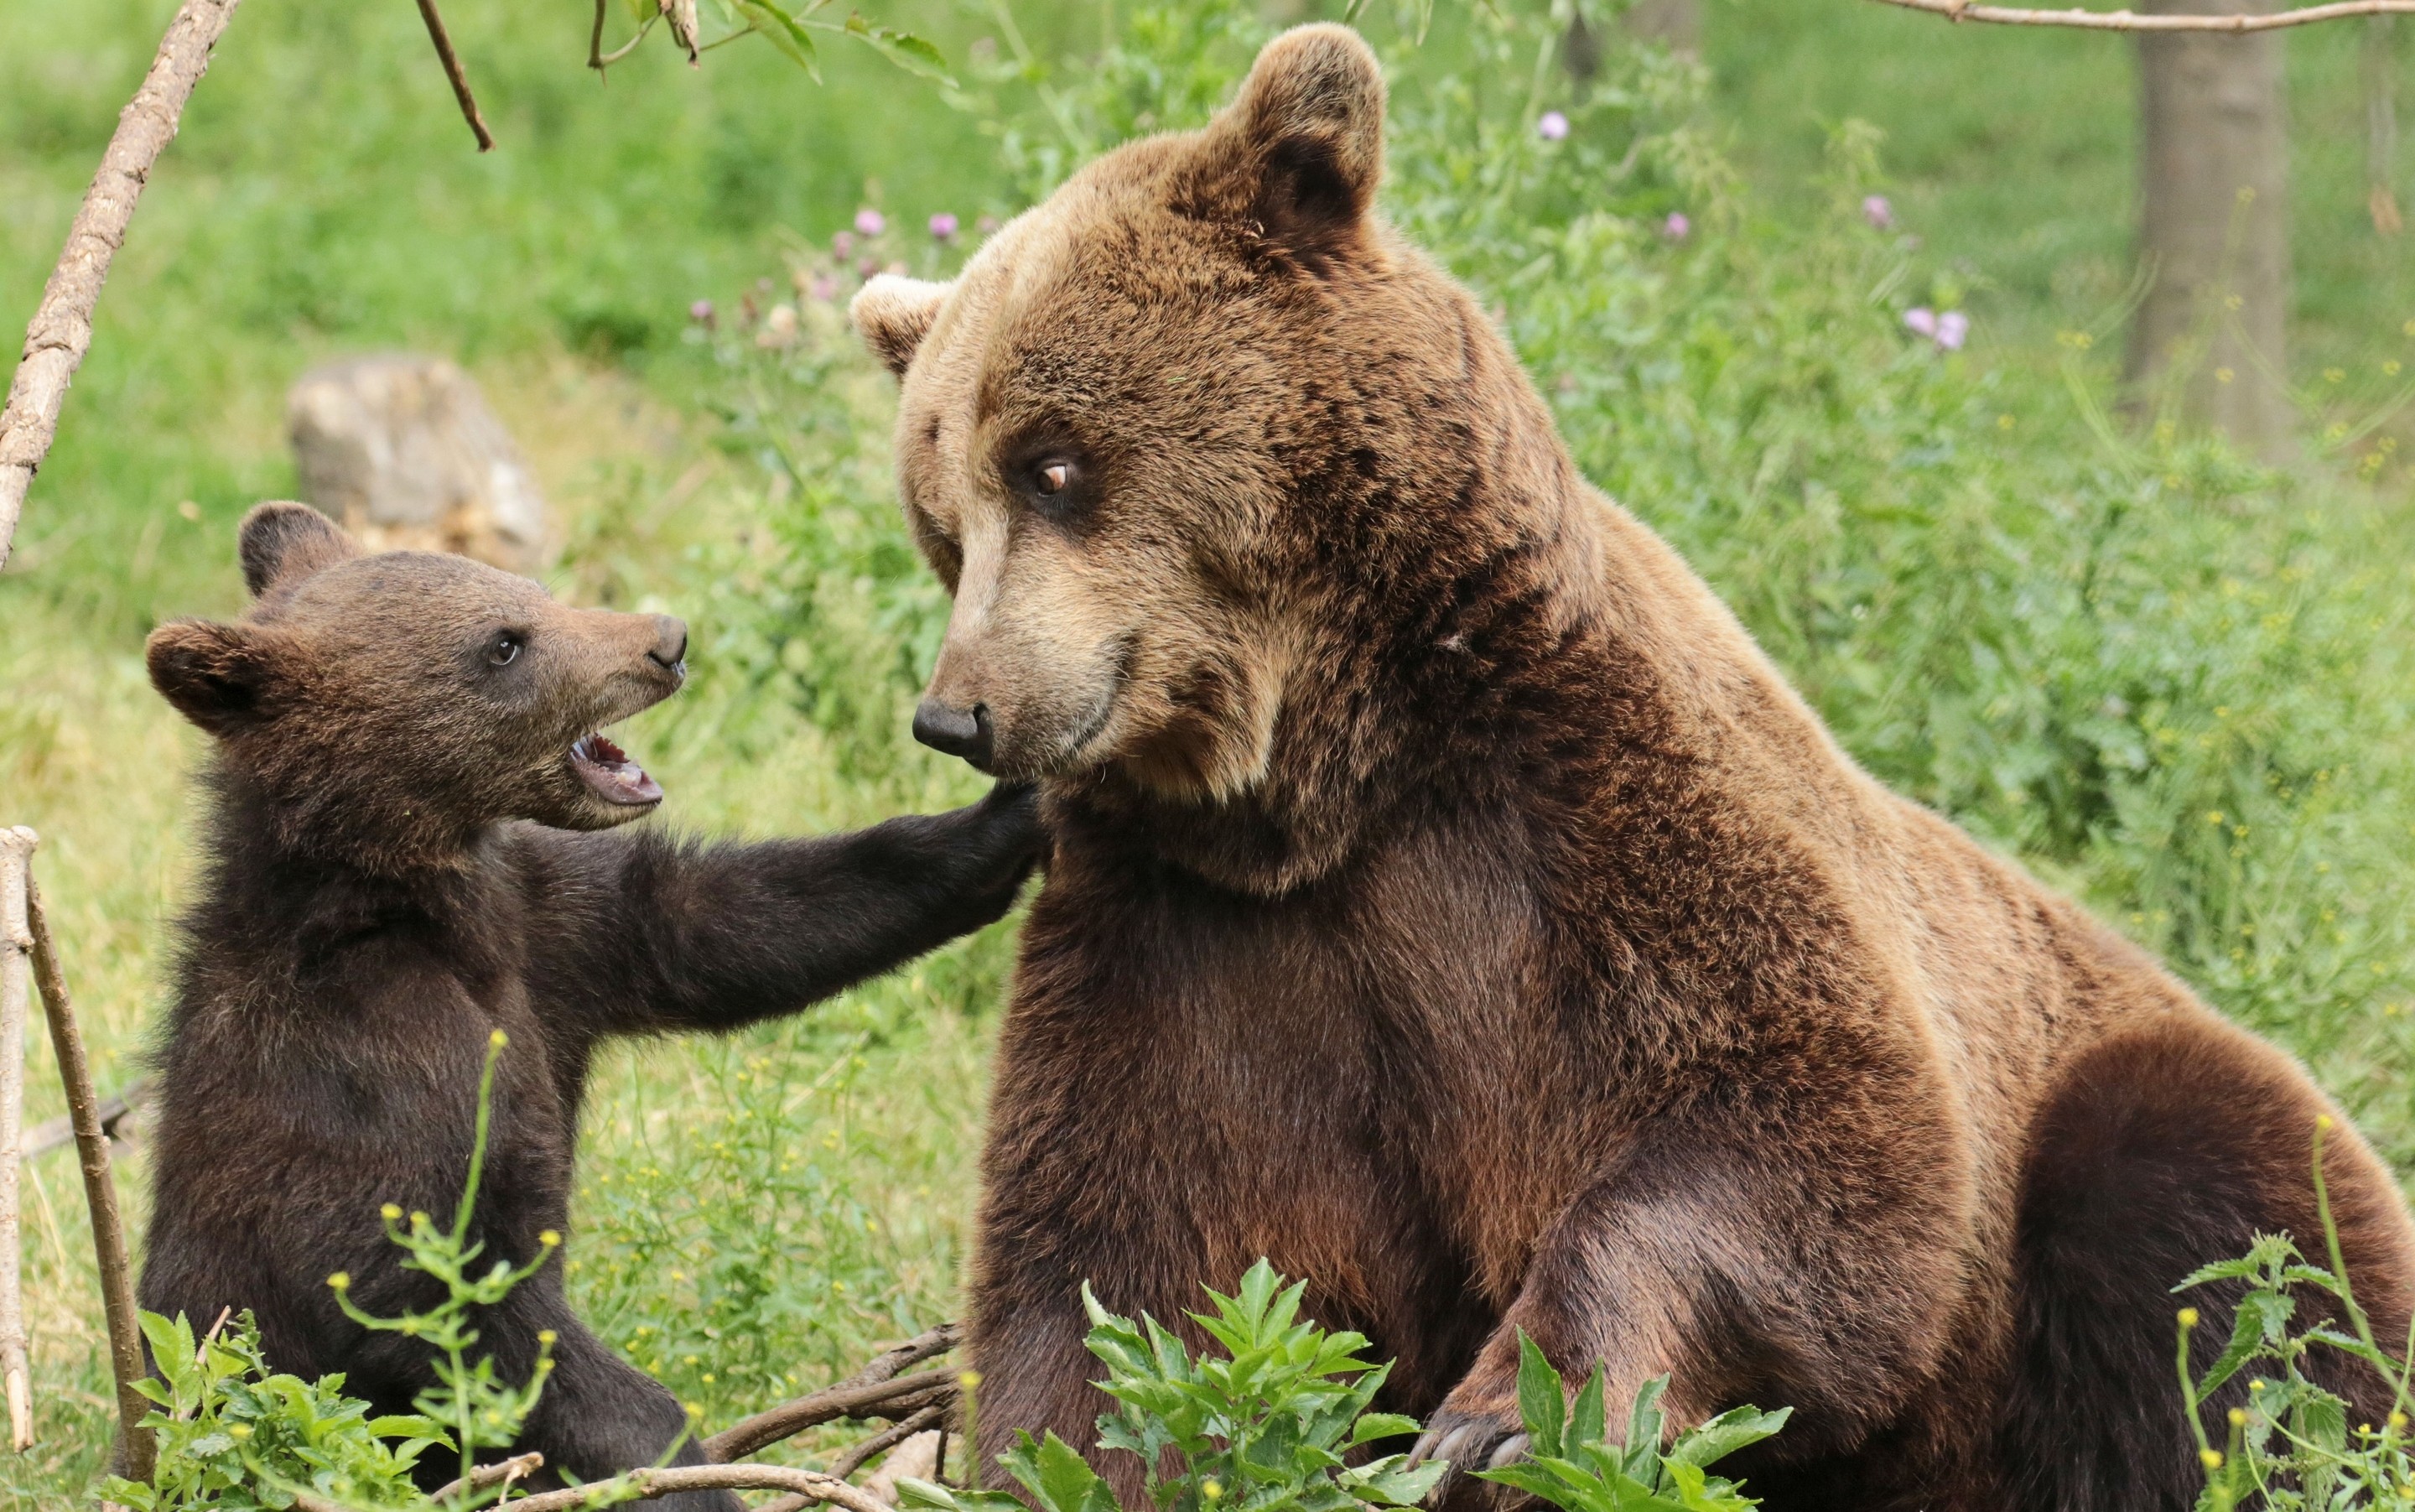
(887, 1438)
(502, 1473)
(61, 331)
(50, 1133)
(89, 1117)
(810, 1483)
(2130, 20)
(891, 1399)
(16, 977)
(452, 62)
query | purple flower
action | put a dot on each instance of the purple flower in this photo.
(943, 227)
(1676, 228)
(1952, 328)
(1876, 210)
(870, 222)
(824, 288)
(844, 244)
(702, 312)
(1554, 127)
(1922, 320)
(985, 224)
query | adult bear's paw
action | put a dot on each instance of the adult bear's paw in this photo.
(1471, 1438)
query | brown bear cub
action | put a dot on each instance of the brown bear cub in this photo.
(409, 851)
(1450, 902)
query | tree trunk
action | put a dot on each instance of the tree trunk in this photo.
(2209, 338)
(1676, 24)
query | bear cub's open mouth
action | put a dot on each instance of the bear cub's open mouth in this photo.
(607, 769)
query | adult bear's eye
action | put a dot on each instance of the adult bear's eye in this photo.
(504, 649)
(1053, 477)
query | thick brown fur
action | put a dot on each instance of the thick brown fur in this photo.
(1451, 903)
(373, 908)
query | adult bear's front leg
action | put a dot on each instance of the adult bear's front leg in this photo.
(1798, 1270)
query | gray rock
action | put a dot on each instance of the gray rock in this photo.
(404, 451)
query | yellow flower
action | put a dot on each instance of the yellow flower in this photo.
(238, 1431)
(968, 1379)
(2224, 375)
(548, 1238)
(341, 1281)
(2334, 375)
(2003, 422)
(1212, 1490)
(2212, 1458)
(2239, 1417)
(2188, 1317)
(2323, 1121)
(499, 1039)
(2397, 1419)
(389, 1212)
(547, 1335)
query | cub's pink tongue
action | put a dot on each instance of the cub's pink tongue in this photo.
(607, 769)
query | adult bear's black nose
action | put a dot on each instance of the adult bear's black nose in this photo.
(959, 732)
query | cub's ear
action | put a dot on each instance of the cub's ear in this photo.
(893, 315)
(1300, 151)
(285, 542)
(218, 676)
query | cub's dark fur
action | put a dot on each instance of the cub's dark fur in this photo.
(370, 912)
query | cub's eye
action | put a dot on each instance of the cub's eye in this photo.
(503, 649)
(1053, 477)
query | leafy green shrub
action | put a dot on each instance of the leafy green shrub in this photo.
(2290, 1449)
(1265, 1428)
(1571, 1463)
(236, 1438)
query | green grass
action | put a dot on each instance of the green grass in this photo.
(2080, 646)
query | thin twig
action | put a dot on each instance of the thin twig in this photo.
(810, 1483)
(595, 37)
(89, 1117)
(2130, 20)
(452, 62)
(53, 1134)
(502, 1473)
(887, 1438)
(201, 1350)
(874, 1391)
(61, 331)
(16, 984)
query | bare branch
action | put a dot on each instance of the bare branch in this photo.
(453, 71)
(2131, 20)
(16, 978)
(61, 332)
(890, 1399)
(90, 1118)
(502, 1473)
(887, 1438)
(52, 1133)
(810, 1483)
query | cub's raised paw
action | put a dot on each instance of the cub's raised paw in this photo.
(1470, 1441)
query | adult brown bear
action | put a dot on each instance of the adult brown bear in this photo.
(1451, 903)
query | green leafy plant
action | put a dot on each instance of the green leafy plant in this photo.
(1264, 1429)
(2290, 1449)
(1571, 1462)
(235, 1437)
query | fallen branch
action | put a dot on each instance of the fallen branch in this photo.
(16, 978)
(889, 1401)
(812, 1485)
(874, 1391)
(888, 1438)
(453, 71)
(61, 331)
(502, 1473)
(50, 1133)
(90, 1120)
(2130, 20)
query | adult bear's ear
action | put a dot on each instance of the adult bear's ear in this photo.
(894, 314)
(1300, 151)
(218, 676)
(285, 542)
